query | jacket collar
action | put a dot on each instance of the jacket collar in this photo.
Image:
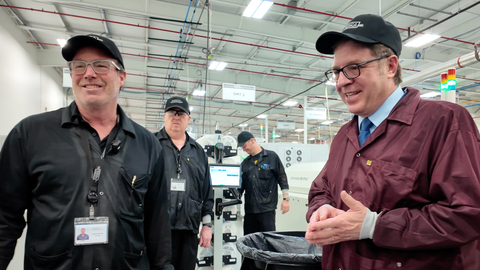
(403, 112)
(263, 153)
(71, 116)
(162, 135)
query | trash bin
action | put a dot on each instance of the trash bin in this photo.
(279, 251)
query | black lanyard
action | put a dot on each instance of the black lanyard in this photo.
(178, 159)
(92, 196)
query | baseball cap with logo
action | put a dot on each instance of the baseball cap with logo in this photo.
(81, 41)
(366, 28)
(177, 102)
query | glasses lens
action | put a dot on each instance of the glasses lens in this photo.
(351, 71)
(101, 66)
(80, 67)
(173, 113)
(332, 75)
(77, 67)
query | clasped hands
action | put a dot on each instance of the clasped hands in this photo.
(329, 225)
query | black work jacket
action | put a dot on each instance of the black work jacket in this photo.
(43, 168)
(187, 207)
(259, 181)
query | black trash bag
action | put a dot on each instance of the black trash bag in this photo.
(280, 248)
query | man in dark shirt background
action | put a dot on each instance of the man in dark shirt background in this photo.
(262, 171)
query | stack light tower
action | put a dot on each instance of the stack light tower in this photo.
(448, 85)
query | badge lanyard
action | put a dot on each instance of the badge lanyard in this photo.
(178, 159)
(178, 184)
(92, 196)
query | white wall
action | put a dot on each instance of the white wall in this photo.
(25, 89)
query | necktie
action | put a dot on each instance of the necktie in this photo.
(364, 130)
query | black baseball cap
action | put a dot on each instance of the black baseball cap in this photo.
(177, 102)
(366, 28)
(81, 41)
(243, 137)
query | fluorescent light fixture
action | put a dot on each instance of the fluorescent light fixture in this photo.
(295, 142)
(213, 65)
(276, 136)
(311, 139)
(243, 125)
(62, 42)
(217, 65)
(290, 103)
(191, 108)
(262, 116)
(257, 8)
(421, 40)
(221, 66)
(199, 92)
(431, 94)
(299, 130)
(328, 122)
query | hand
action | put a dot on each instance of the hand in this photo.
(205, 236)
(329, 225)
(325, 212)
(285, 206)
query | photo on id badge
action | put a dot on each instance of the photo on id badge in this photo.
(91, 231)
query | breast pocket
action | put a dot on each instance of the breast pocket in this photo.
(265, 174)
(266, 184)
(131, 193)
(386, 184)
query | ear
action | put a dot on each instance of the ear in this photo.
(392, 66)
(123, 76)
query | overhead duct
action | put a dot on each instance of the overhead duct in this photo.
(292, 11)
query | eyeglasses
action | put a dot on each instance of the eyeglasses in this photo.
(174, 113)
(351, 71)
(78, 67)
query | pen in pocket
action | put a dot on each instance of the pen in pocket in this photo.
(133, 180)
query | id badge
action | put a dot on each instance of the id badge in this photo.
(91, 231)
(178, 184)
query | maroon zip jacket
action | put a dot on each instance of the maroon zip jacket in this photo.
(420, 168)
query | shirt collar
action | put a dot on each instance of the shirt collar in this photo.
(71, 115)
(384, 110)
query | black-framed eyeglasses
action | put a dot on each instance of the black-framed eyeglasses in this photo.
(78, 67)
(351, 71)
(174, 113)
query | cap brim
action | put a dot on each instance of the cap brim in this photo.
(171, 107)
(240, 144)
(326, 42)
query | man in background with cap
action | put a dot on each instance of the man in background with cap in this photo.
(188, 176)
(262, 171)
(401, 187)
(85, 166)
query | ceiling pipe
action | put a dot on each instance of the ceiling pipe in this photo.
(348, 18)
(460, 62)
(442, 21)
(64, 14)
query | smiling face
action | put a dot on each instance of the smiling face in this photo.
(94, 91)
(366, 93)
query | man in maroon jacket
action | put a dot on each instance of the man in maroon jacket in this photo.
(401, 188)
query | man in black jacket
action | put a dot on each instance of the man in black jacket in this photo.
(191, 193)
(85, 166)
(262, 170)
